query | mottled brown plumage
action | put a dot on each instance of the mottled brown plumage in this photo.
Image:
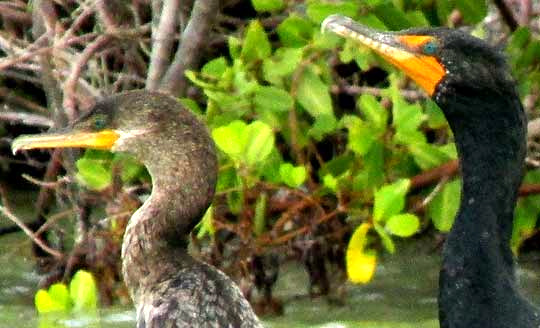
(168, 286)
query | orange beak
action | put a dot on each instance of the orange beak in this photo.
(403, 51)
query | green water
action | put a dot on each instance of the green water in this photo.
(402, 294)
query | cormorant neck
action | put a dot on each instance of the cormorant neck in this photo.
(492, 150)
(477, 272)
(183, 167)
(184, 175)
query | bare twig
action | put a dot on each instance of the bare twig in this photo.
(533, 129)
(105, 14)
(53, 219)
(411, 95)
(11, 97)
(162, 43)
(431, 195)
(26, 119)
(72, 81)
(46, 184)
(429, 177)
(525, 12)
(78, 22)
(32, 51)
(44, 23)
(29, 233)
(507, 14)
(19, 16)
(188, 54)
(529, 189)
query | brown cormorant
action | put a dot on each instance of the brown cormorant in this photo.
(471, 83)
(167, 285)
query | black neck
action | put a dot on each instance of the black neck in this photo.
(492, 151)
(477, 262)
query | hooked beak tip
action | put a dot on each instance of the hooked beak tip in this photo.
(328, 22)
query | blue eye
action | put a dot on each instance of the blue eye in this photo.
(100, 122)
(430, 48)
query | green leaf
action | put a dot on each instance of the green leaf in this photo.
(372, 21)
(449, 150)
(520, 38)
(293, 176)
(417, 18)
(235, 47)
(444, 206)
(472, 11)
(525, 218)
(83, 291)
(295, 32)
(410, 138)
(403, 225)
(231, 139)
(330, 182)
(215, 68)
(93, 174)
(243, 83)
(282, 64)
(235, 201)
(361, 135)
(200, 82)
(259, 220)
(260, 142)
(131, 168)
(269, 169)
(267, 5)
(318, 11)
(228, 179)
(435, 116)
(323, 125)
(249, 144)
(373, 173)
(337, 165)
(407, 118)
(191, 105)
(386, 239)
(531, 54)
(373, 111)
(56, 299)
(256, 45)
(312, 93)
(273, 99)
(444, 9)
(391, 16)
(232, 105)
(205, 226)
(390, 199)
(427, 156)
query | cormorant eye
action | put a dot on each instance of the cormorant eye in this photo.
(430, 48)
(100, 123)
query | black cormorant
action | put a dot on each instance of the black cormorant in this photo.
(471, 83)
(168, 286)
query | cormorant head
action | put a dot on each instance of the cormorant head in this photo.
(440, 60)
(137, 122)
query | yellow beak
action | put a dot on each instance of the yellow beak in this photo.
(99, 140)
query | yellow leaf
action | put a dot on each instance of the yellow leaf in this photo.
(360, 264)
